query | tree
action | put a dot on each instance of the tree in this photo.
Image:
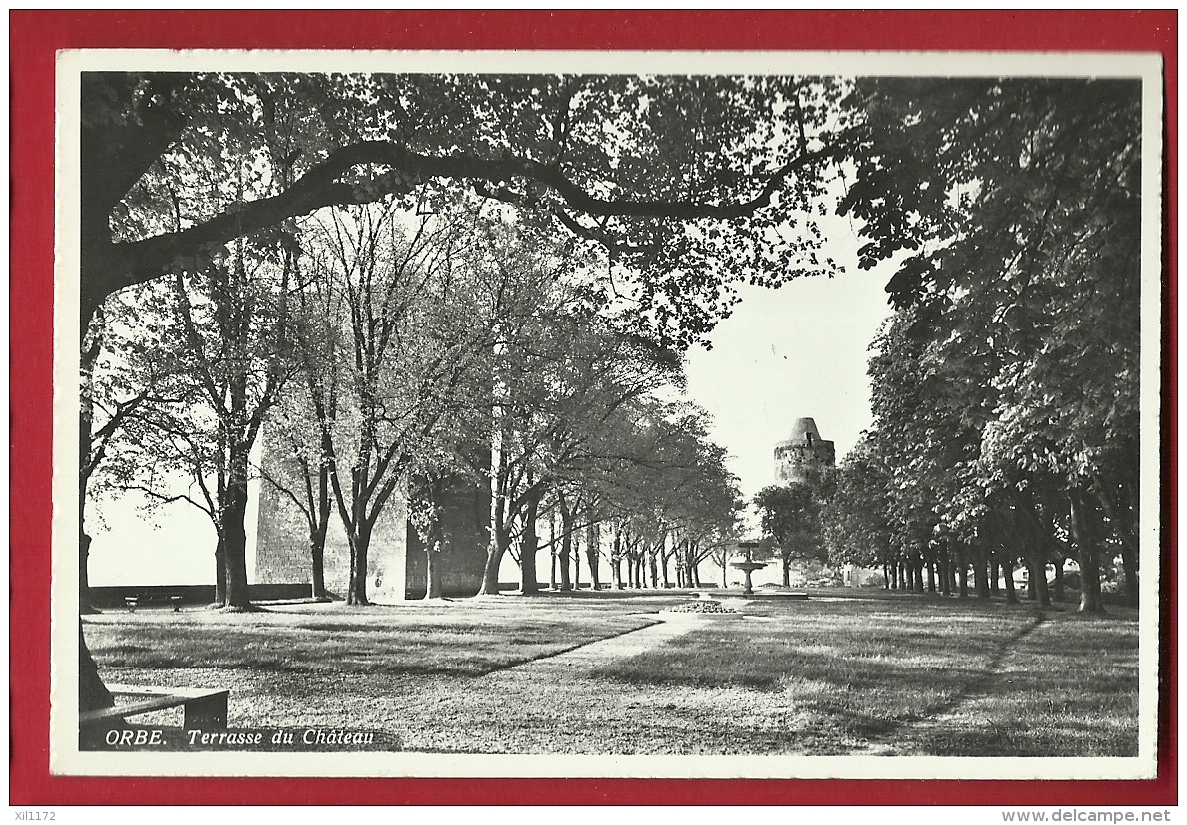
(567, 384)
(408, 352)
(790, 515)
(856, 516)
(1015, 205)
(628, 161)
(295, 465)
(126, 372)
(229, 341)
(637, 165)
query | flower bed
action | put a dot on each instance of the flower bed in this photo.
(703, 607)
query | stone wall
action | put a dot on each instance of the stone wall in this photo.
(282, 545)
(462, 559)
(396, 562)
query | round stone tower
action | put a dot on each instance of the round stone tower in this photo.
(801, 457)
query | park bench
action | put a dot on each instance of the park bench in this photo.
(132, 602)
(202, 708)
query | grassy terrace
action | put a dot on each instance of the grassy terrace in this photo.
(467, 638)
(918, 676)
(895, 674)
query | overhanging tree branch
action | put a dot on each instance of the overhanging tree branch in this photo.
(136, 262)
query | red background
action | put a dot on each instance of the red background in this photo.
(35, 35)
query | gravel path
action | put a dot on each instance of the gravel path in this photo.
(595, 654)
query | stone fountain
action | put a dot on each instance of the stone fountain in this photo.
(748, 566)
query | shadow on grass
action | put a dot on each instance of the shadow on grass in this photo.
(983, 680)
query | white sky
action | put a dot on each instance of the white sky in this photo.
(798, 351)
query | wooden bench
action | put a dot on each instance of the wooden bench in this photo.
(202, 708)
(132, 602)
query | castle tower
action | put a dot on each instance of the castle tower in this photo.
(803, 455)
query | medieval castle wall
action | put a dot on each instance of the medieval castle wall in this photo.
(396, 563)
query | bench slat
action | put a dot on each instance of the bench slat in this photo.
(153, 690)
(202, 706)
(143, 706)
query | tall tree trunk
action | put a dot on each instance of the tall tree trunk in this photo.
(1044, 594)
(980, 574)
(435, 541)
(566, 544)
(529, 546)
(1008, 570)
(576, 551)
(963, 573)
(786, 570)
(944, 563)
(321, 509)
(234, 511)
(1057, 584)
(1129, 564)
(220, 571)
(616, 558)
(500, 540)
(1086, 534)
(317, 562)
(360, 547)
(92, 693)
(994, 575)
(433, 587)
(85, 606)
(92, 345)
(931, 577)
(552, 553)
(593, 541)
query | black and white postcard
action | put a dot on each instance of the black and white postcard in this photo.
(587, 414)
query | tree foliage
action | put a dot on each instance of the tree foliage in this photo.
(1013, 208)
(687, 183)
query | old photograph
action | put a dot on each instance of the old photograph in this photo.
(607, 414)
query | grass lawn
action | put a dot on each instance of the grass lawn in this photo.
(921, 676)
(903, 675)
(448, 638)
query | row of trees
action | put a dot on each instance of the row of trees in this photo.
(1005, 386)
(195, 184)
(451, 347)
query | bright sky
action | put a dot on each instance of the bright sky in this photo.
(798, 351)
